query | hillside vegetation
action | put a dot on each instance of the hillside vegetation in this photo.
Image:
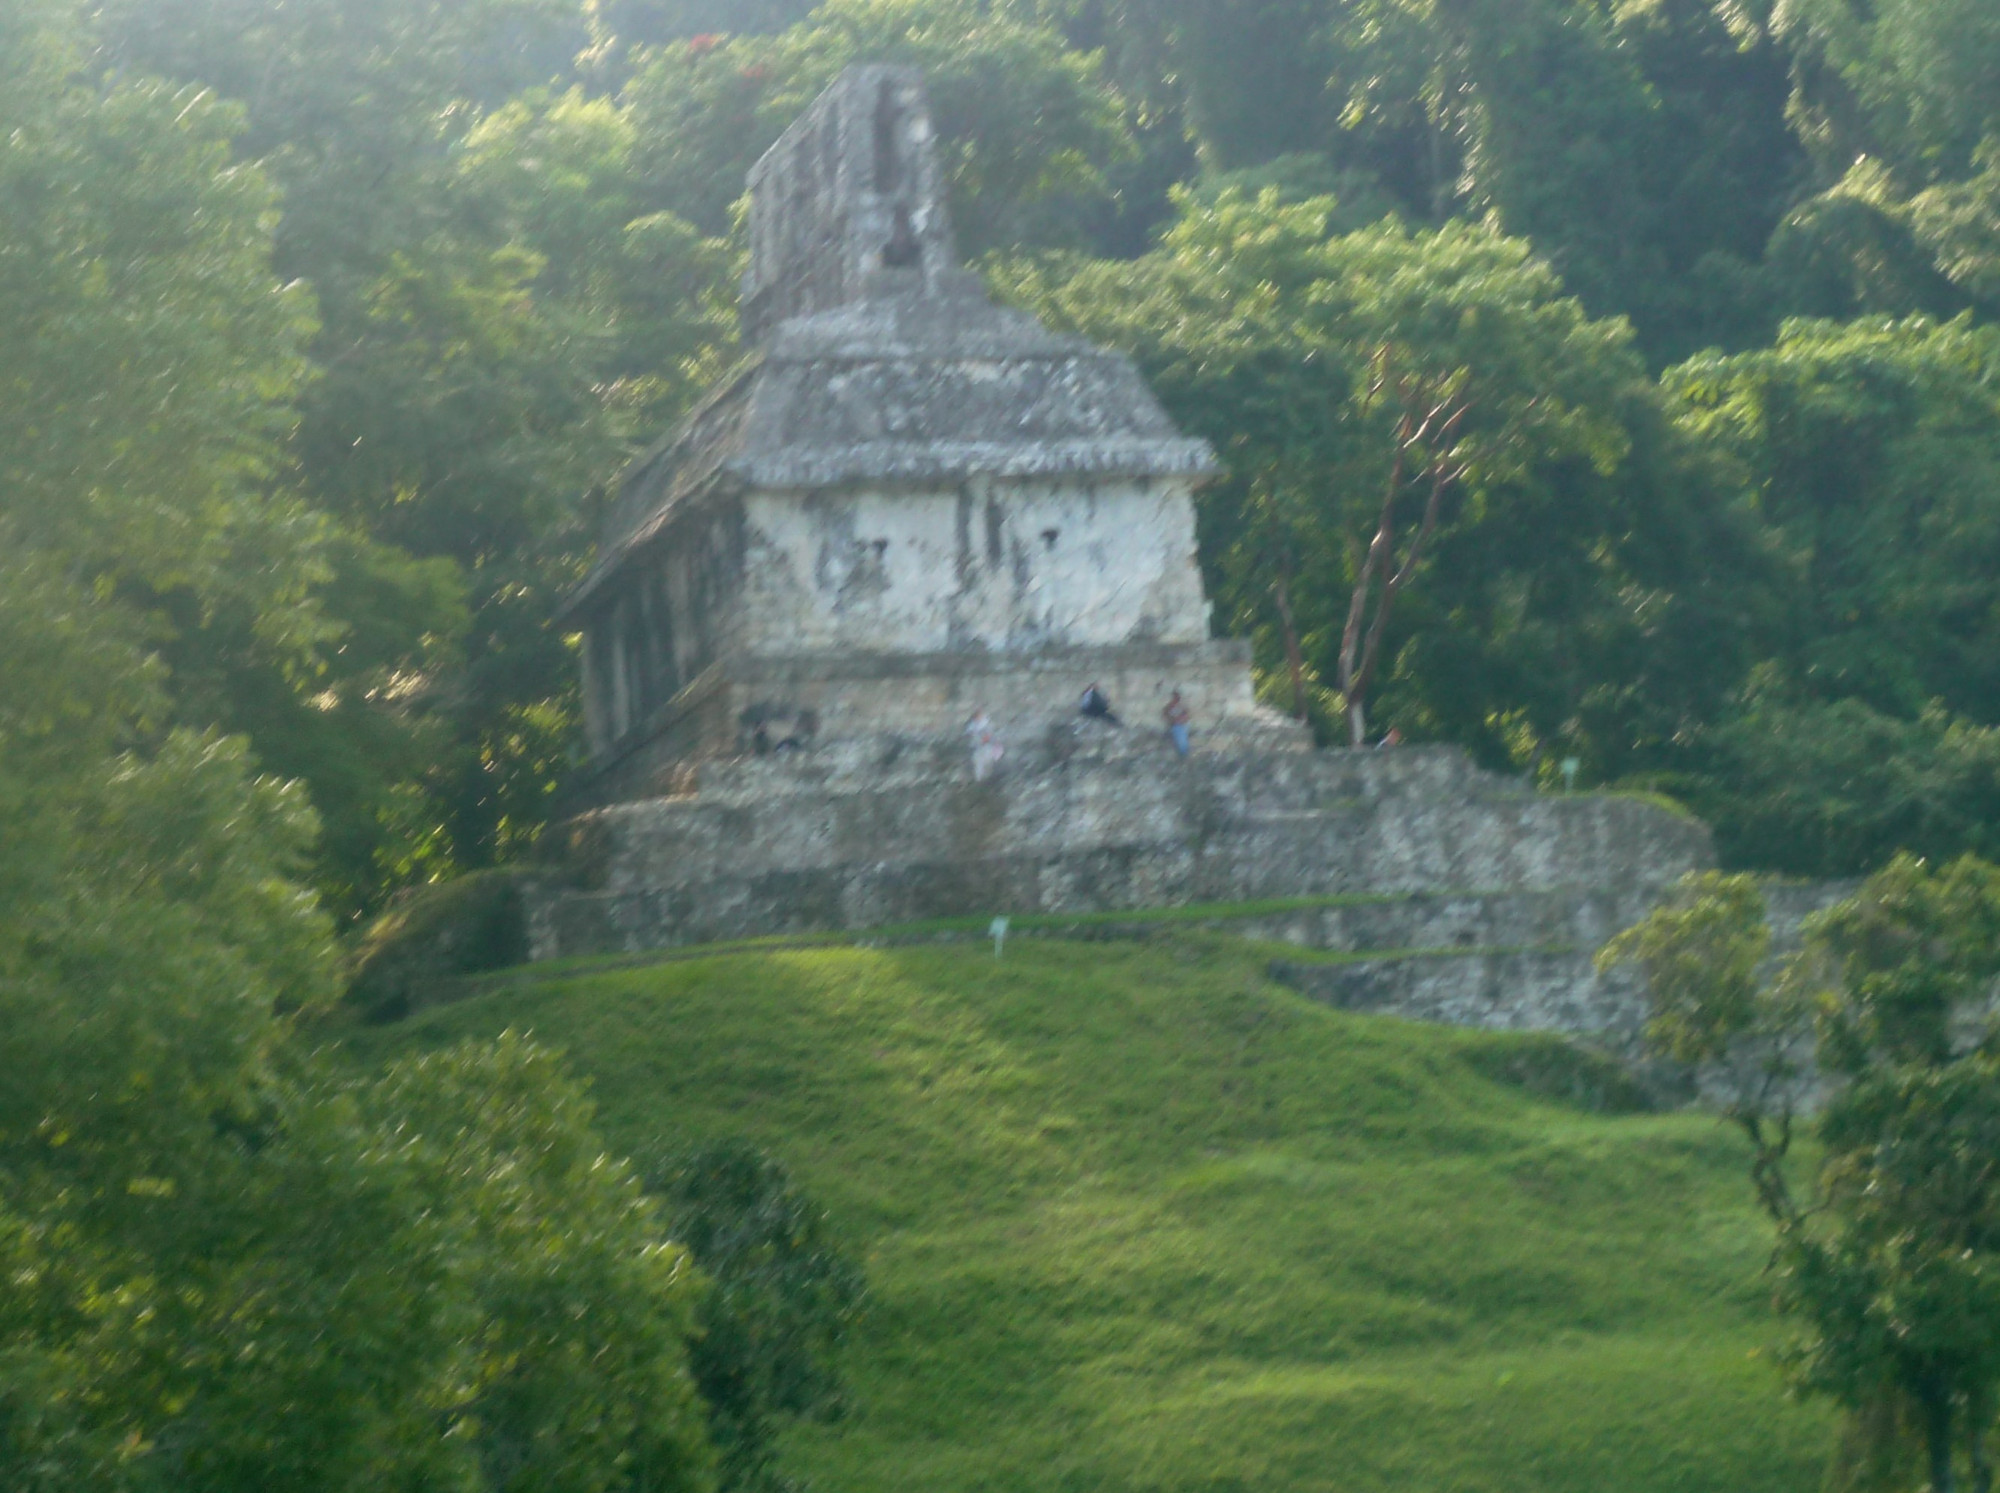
(1134, 1217)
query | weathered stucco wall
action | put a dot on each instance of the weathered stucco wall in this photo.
(1014, 566)
(859, 613)
(669, 617)
(844, 703)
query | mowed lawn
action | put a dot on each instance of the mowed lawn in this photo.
(1135, 1218)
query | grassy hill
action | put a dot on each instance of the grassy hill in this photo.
(1135, 1218)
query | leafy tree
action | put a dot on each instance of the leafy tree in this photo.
(782, 1300)
(1254, 74)
(466, 398)
(643, 291)
(1899, 104)
(1873, 449)
(1642, 148)
(1888, 1257)
(650, 22)
(152, 358)
(1854, 249)
(226, 1265)
(1825, 788)
(1564, 538)
(150, 403)
(1919, 79)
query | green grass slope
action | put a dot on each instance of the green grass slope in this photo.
(1135, 1218)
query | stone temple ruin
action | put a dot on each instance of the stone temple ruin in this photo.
(909, 504)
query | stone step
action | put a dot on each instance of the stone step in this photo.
(1244, 766)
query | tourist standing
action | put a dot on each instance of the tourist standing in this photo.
(1177, 715)
(987, 749)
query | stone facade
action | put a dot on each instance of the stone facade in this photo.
(907, 504)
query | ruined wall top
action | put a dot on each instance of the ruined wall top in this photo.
(849, 197)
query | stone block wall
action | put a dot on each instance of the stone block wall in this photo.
(1510, 962)
(858, 707)
(1503, 990)
(1083, 818)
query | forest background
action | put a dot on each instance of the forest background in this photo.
(330, 322)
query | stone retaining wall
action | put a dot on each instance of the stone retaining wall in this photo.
(1086, 819)
(1528, 960)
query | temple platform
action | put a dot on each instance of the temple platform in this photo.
(1081, 817)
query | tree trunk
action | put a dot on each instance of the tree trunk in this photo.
(1936, 1405)
(1353, 675)
(1873, 1455)
(1440, 189)
(1380, 574)
(1281, 589)
(1978, 1414)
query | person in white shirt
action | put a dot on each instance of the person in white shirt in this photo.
(986, 746)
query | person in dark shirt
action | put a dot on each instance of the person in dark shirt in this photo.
(1095, 706)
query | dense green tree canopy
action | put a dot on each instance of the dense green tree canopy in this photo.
(1027, 126)
(1871, 447)
(1558, 605)
(1872, 450)
(225, 1261)
(154, 359)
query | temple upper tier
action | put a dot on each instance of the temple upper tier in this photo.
(905, 504)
